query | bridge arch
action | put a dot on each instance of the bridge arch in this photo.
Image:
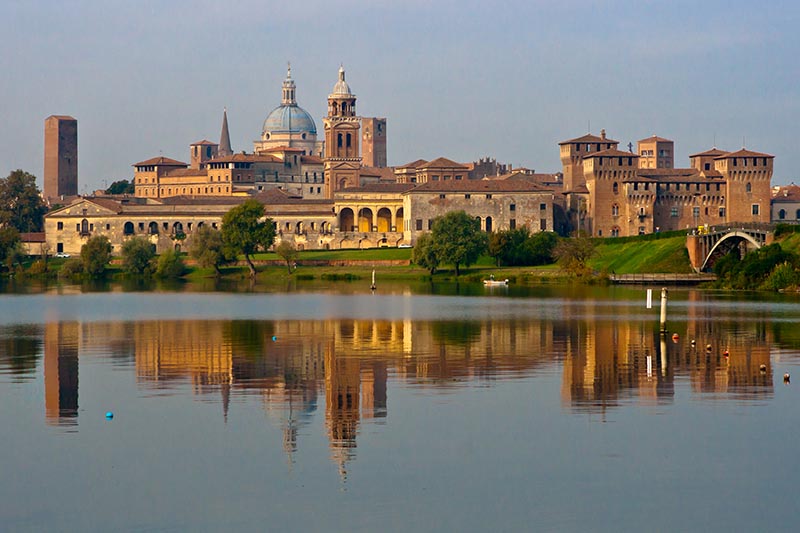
(726, 244)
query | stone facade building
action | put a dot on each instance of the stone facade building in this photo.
(498, 204)
(786, 204)
(624, 193)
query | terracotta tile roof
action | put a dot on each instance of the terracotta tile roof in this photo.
(162, 161)
(589, 138)
(477, 186)
(744, 153)
(282, 148)
(311, 160)
(443, 162)
(33, 237)
(709, 153)
(414, 164)
(246, 158)
(112, 205)
(392, 188)
(579, 189)
(202, 200)
(204, 142)
(611, 152)
(654, 138)
(786, 194)
(384, 173)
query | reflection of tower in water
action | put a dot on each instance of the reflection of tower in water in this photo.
(342, 391)
(61, 342)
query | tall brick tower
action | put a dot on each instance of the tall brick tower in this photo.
(342, 127)
(60, 157)
(373, 141)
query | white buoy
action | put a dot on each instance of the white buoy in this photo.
(663, 310)
(649, 298)
(372, 287)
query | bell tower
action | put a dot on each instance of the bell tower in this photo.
(342, 136)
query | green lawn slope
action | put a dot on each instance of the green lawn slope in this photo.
(666, 255)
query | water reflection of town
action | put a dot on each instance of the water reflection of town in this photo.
(291, 364)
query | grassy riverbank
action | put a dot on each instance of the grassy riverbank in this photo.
(665, 254)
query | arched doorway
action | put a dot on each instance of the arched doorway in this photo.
(346, 220)
(365, 219)
(398, 220)
(384, 219)
(127, 229)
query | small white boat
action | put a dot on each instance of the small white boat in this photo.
(491, 282)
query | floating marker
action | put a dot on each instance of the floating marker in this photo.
(274, 338)
(763, 368)
(109, 415)
(649, 298)
(786, 378)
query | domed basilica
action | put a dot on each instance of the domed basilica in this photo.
(289, 125)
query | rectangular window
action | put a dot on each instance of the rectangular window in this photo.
(60, 226)
(512, 224)
(488, 196)
(512, 207)
(467, 196)
(419, 224)
(141, 226)
(430, 224)
(542, 207)
(458, 176)
(108, 227)
(59, 247)
(695, 212)
(673, 212)
(441, 197)
(721, 211)
(755, 209)
(435, 178)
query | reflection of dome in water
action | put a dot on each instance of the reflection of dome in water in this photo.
(289, 119)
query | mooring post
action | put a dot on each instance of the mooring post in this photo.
(663, 310)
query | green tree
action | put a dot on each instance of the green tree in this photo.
(287, 251)
(458, 239)
(21, 205)
(208, 249)
(170, 265)
(243, 231)
(541, 247)
(425, 253)
(121, 187)
(95, 255)
(574, 253)
(9, 242)
(137, 256)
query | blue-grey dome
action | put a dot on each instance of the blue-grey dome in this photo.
(289, 119)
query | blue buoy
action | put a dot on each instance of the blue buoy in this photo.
(274, 338)
(109, 415)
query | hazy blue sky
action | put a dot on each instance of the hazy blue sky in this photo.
(456, 79)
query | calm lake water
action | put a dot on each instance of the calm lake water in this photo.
(327, 408)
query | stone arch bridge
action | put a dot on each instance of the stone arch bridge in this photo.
(706, 245)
